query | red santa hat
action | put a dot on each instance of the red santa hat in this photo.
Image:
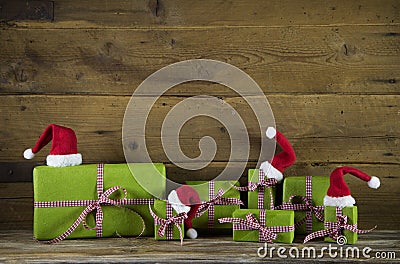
(186, 199)
(280, 162)
(339, 193)
(64, 150)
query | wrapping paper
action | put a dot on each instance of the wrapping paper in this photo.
(160, 209)
(253, 176)
(79, 183)
(297, 186)
(202, 223)
(352, 218)
(273, 218)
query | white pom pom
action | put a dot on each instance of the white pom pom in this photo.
(28, 154)
(271, 132)
(374, 182)
(191, 233)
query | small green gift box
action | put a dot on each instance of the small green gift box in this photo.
(174, 230)
(218, 207)
(69, 196)
(249, 223)
(352, 218)
(340, 226)
(257, 199)
(306, 190)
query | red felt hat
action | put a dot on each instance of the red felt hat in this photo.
(339, 193)
(64, 150)
(186, 199)
(281, 161)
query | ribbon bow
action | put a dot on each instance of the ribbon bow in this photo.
(307, 206)
(252, 186)
(96, 205)
(266, 234)
(334, 229)
(169, 222)
(261, 185)
(217, 200)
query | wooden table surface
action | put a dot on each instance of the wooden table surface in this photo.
(18, 246)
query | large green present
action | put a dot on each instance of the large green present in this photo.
(73, 196)
(305, 195)
(257, 225)
(219, 199)
(168, 224)
(261, 191)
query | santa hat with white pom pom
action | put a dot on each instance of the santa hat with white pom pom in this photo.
(64, 149)
(185, 199)
(339, 193)
(281, 161)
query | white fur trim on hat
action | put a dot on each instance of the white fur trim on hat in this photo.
(178, 206)
(271, 172)
(271, 132)
(374, 182)
(28, 154)
(191, 233)
(64, 160)
(339, 201)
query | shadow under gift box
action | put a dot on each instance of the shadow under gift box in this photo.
(296, 185)
(80, 183)
(220, 211)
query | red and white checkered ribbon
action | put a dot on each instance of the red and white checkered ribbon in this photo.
(261, 185)
(334, 229)
(93, 205)
(307, 206)
(266, 234)
(166, 225)
(215, 200)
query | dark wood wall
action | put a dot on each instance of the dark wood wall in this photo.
(330, 70)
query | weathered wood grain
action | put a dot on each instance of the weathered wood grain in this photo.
(181, 13)
(329, 128)
(16, 213)
(330, 71)
(16, 190)
(18, 246)
(26, 10)
(339, 59)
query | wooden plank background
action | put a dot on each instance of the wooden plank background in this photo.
(330, 71)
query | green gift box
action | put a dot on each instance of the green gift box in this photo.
(62, 194)
(352, 218)
(204, 222)
(296, 186)
(273, 218)
(252, 196)
(172, 232)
